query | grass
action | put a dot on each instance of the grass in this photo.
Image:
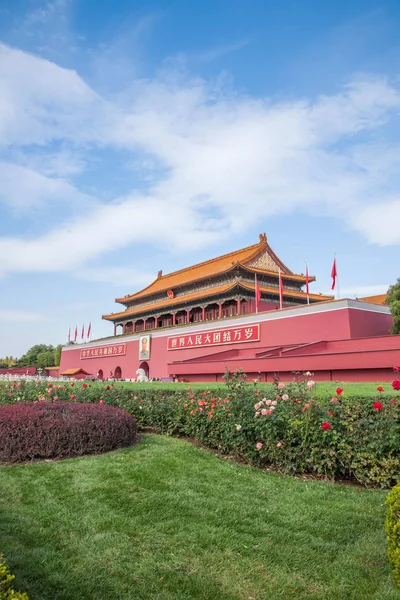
(364, 388)
(166, 520)
(322, 388)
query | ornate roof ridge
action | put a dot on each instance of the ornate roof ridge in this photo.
(256, 248)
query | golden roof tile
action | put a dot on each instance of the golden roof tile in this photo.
(208, 268)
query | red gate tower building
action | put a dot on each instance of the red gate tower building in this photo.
(245, 309)
(215, 289)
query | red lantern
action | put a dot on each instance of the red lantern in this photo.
(170, 294)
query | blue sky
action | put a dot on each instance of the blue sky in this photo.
(147, 135)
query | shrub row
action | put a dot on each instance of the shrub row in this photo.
(62, 429)
(6, 584)
(289, 429)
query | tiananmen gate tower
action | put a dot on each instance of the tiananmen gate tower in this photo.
(245, 309)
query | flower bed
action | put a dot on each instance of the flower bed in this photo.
(288, 429)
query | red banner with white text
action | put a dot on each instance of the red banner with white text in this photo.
(104, 351)
(217, 337)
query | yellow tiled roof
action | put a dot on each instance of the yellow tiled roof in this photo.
(168, 303)
(217, 265)
(379, 299)
(75, 372)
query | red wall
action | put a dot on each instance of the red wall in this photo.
(337, 323)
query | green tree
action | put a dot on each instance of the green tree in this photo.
(30, 358)
(57, 355)
(393, 302)
(45, 359)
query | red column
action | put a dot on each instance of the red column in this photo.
(173, 318)
(133, 326)
(203, 313)
(188, 316)
(115, 329)
(124, 328)
(155, 322)
(238, 302)
(144, 324)
(220, 310)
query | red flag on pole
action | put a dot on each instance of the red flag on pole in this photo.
(258, 292)
(280, 290)
(76, 333)
(89, 330)
(69, 334)
(307, 289)
(83, 332)
(334, 274)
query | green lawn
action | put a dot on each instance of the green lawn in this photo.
(168, 521)
(321, 388)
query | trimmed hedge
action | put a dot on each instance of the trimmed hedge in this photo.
(6, 584)
(62, 429)
(393, 531)
(291, 430)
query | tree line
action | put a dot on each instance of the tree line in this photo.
(39, 356)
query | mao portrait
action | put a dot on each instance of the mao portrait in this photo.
(144, 347)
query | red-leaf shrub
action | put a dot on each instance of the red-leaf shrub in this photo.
(62, 429)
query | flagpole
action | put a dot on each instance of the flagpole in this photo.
(307, 284)
(255, 292)
(337, 279)
(280, 290)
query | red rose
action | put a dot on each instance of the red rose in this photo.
(326, 425)
(396, 384)
(339, 391)
(380, 389)
(378, 406)
(394, 401)
(108, 387)
(101, 401)
(72, 384)
(84, 385)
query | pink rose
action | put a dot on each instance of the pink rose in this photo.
(238, 427)
(310, 383)
(264, 412)
(281, 385)
(259, 445)
(285, 397)
(73, 397)
(279, 444)
(101, 401)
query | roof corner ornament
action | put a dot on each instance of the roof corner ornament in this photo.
(159, 274)
(263, 238)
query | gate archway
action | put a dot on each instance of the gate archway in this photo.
(145, 367)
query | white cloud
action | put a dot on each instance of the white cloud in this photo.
(22, 188)
(380, 222)
(225, 161)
